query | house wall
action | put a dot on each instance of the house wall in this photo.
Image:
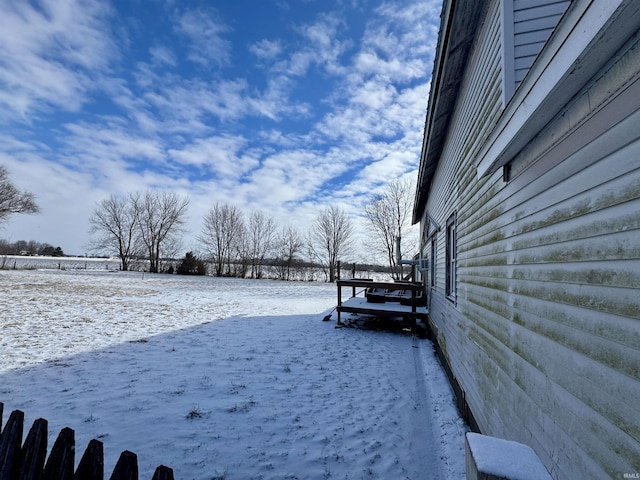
(543, 335)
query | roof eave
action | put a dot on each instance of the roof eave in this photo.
(458, 25)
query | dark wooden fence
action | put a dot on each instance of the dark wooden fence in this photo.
(29, 461)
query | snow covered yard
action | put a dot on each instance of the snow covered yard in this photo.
(223, 378)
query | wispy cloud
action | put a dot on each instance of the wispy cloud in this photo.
(222, 155)
(266, 50)
(205, 32)
(49, 54)
(161, 55)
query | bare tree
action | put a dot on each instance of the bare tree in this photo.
(114, 224)
(388, 215)
(330, 237)
(221, 232)
(160, 218)
(241, 248)
(288, 245)
(13, 200)
(261, 231)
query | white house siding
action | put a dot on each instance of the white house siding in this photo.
(544, 336)
(477, 109)
(533, 23)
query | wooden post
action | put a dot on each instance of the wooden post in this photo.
(413, 308)
(339, 300)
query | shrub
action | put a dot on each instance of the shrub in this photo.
(190, 265)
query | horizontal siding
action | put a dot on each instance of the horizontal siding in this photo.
(533, 23)
(553, 282)
(534, 10)
(528, 50)
(533, 4)
(541, 24)
(544, 337)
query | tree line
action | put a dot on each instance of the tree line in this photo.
(149, 225)
(31, 247)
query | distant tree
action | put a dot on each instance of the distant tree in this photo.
(330, 237)
(13, 200)
(221, 235)
(22, 247)
(261, 231)
(160, 217)
(389, 215)
(241, 256)
(50, 251)
(289, 244)
(114, 224)
(191, 265)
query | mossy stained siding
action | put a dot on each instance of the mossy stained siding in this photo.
(544, 332)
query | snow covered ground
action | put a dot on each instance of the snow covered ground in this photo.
(223, 378)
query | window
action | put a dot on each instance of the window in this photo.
(450, 287)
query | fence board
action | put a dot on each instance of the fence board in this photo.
(91, 465)
(10, 444)
(126, 468)
(163, 473)
(62, 457)
(34, 451)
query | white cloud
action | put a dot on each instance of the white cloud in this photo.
(184, 104)
(221, 154)
(50, 53)
(205, 32)
(162, 56)
(95, 145)
(266, 49)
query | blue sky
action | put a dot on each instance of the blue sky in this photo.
(282, 106)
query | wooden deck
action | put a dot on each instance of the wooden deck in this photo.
(360, 304)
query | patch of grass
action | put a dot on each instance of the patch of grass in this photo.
(242, 408)
(220, 476)
(194, 413)
(236, 387)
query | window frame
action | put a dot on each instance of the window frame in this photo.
(451, 257)
(432, 266)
